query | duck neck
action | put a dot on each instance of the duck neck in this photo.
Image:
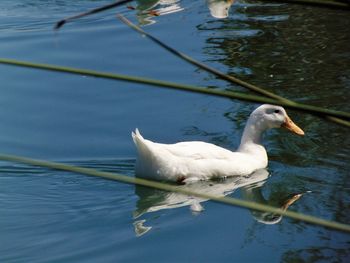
(252, 136)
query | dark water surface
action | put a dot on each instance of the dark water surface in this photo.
(299, 52)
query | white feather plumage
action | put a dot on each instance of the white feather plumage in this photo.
(195, 160)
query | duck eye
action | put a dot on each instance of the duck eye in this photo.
(277, 111)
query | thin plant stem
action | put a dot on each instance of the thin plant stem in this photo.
(174, 188)
(60, 23)
(339, 5)
(172, 85)
(216, 72)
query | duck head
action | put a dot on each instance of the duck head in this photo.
(261, 119)
(271, 116)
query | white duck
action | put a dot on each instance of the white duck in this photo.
(192, 161)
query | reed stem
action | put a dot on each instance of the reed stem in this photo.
(171, 85)
(173, 188)
(339, 5)
(60, 23)
(218, 73)
(319, 3)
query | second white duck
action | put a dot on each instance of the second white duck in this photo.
(194, 160)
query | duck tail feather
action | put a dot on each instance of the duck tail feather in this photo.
(136, 136)
(141, 144)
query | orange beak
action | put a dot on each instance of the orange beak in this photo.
(290, 125)
(290, 201)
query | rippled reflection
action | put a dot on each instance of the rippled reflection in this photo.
(219, 8)
(148, 9)
(152, 200)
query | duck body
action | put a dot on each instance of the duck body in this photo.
(195, 160)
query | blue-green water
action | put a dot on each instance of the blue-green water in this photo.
(299, 52)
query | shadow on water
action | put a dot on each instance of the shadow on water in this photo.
(153, 200)
(293, 52)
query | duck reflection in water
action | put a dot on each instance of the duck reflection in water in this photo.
(147, 9)
(219, 8)
(152, 200)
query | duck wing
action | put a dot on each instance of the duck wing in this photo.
(192, 150)
(197, 150)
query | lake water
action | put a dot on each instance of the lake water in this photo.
(299, 52)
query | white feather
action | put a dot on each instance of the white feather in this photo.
(194, 160)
